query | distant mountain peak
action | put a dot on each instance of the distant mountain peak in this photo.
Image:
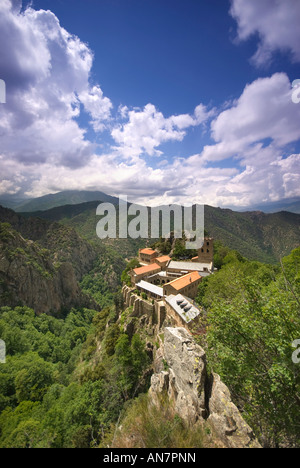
(66, 197)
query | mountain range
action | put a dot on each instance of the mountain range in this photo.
(258, 236)
(291, 204)
(46, 202)
(74, 197)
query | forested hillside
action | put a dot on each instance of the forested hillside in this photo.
(253, 318)
(256, 235)
(77, 373)
(31, 275)
(44, 263)
(71, 382)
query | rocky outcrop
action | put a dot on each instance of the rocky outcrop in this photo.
(29, 276)
(187, 364)
(141, 313)
(226, 419)
(181, 372)
(63, 243)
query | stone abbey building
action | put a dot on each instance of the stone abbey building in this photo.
(175, 283)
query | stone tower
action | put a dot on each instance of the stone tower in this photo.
(206, 253)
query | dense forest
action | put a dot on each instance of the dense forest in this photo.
(253, 319)
(72, 380)
(54, 391)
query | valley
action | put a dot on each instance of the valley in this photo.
(85, 351)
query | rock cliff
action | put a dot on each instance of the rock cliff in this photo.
(63, 243)
(181, 371)
(29, 275)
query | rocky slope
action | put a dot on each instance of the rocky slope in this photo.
(41, 264)
(63, 243)
(180, 371)
(197, 396)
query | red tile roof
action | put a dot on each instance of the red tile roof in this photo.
(147, 269)
(185, 280)
(147, 251)
(165, 258)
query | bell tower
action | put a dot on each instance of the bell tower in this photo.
(206, 253)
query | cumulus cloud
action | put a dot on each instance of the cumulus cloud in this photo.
(47, 73)
(275, 22)
(264, 111)
(44, 149)
(250, 137)
(148, 128)
(97, 105)
(178, 182)
(255, 132)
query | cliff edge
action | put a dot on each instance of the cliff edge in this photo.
(181, 371)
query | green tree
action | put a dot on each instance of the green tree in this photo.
(252, 325)
(125, 278)
(111, 339)
(130, 363)
(33, 381)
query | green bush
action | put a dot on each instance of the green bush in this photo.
(253, 318)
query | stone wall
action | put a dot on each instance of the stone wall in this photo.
(176, 319)
(140, 306)
(196, 396)
(161, 312)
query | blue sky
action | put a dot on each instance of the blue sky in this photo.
(160, 100)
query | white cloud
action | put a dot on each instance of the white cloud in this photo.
(255, 132)
(7, 187)
(179, 182)
(251, 135)
(47, 73)
(264, 111)
(44, 149)
(123, 111)
(147, 129)
(275, 21)
(98, 106)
